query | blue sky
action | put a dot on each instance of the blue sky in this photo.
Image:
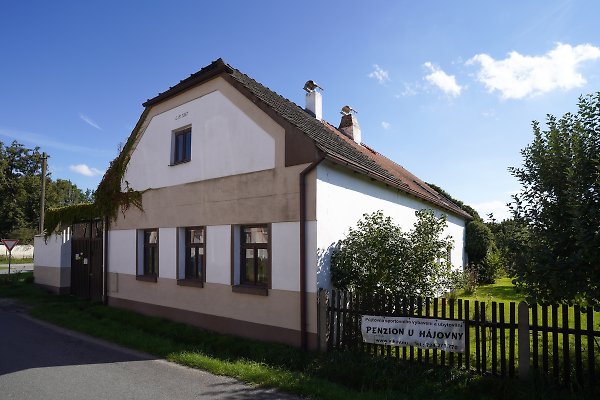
(446, 89)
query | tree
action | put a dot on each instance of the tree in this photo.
(484, 258)
(485, 263)
(560, 205)
(20, 186)
(378, 257)
(17, 165)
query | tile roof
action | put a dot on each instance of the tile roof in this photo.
(334, 144)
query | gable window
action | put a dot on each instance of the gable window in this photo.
(192, 264)
(254, 257)
(182, 146)
(148, 254)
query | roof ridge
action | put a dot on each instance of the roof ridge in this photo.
(326, 137)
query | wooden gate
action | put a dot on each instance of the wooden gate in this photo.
(86, 263)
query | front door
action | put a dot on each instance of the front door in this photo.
(86, 266)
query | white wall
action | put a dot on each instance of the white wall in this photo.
(167, 253)
(53, 252)
(225, 141)
(342, 199)
(285, 261)
(19, 251)
(122, 251)
(218, 254)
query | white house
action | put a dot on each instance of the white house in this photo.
(244, 193)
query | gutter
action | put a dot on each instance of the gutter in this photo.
(303, 309)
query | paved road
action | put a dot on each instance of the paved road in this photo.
(42, 362)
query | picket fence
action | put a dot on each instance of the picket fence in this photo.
(555, 342)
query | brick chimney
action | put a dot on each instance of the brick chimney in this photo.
(349, 124)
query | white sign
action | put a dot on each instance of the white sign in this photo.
(427, 333)
(10, 243)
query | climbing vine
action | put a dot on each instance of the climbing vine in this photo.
(109, 198)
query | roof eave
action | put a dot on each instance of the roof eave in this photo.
(215, 68)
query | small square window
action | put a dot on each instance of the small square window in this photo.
(182, 146)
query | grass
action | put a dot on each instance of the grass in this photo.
(14, 260)
(332, 375)
(501, 291)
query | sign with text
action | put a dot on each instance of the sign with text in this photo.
(427, 333)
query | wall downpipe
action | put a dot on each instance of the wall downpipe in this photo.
(303, 309)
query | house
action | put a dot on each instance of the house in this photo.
(244, 193)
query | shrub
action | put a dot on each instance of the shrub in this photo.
(378, 257)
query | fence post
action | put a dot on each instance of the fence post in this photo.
(322, 328)
(523, 340)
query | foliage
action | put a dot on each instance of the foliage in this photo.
(469, 280)
(465, 207)
(484, 257)
(110, 196)
(378, 257)
(65, 216)
(560, 205)
(512, 241)
(20, 188)
(479, 241)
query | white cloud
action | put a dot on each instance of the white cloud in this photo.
(89, 121)
(85, 170)
(381, 75)
(446, 83)
(410, 89)
(519, 76)
(385, 125)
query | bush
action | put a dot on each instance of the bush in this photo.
(377, 257)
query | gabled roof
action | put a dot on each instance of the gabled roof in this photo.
(329, 140)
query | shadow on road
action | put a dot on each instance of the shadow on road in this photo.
(26, 344)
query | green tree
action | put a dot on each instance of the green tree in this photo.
(512, 240)
(484, 259)
(378, 257)
(20, 187)
(17, 165)
(560, 205)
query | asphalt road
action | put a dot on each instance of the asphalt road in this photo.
(41, 362)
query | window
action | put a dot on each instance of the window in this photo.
(194, 257)
(254, 257)
(182, 146)
(148, 254)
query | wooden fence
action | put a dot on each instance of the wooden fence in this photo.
(505, 339)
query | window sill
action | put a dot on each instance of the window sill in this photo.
(179, 163)
(147, 278)
(190, 282)
(247, 289)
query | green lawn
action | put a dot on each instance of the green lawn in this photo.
(501, 291)
(333, 375)
(14, 260)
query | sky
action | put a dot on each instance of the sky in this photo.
(446, 89)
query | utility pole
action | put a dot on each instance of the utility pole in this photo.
(43, 193)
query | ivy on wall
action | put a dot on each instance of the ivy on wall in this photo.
(109, 198)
